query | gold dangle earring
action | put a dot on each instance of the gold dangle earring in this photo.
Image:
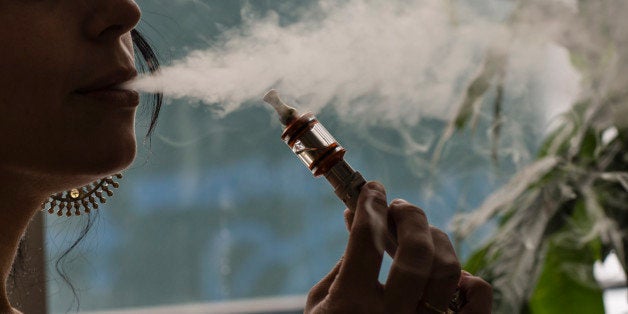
(86, 196)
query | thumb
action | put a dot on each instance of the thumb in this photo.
(321, 289)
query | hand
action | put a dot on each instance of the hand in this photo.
(424, 274)
(476, 293)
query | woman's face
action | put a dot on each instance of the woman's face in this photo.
(59, 115)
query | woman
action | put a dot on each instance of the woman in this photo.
(65, 122)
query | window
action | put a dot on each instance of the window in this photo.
(219, 212)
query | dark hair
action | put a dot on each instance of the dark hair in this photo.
(148, 62)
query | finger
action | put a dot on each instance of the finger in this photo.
(445, 274)
(477, 293)
(321, 289)
(412, 263)
(349, 214)
(363, 256)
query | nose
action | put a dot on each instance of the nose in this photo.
(110, 19)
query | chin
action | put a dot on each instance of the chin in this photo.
(74, 153)
(104, 156)
(94, 167)
(113, 157)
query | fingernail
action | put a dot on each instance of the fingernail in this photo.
(374, 185)
(466, 273)
(398, 201)
(375, 192)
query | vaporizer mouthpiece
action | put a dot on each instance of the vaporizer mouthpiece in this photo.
(285, 112)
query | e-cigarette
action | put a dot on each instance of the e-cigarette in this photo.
(323, 155)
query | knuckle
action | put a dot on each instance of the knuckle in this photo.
(446, 255)
(448, 265)
(438, 234)
(377, 197)
(446, 262)
(451, 273)
(481, 285)
(370, 197)
(447, 268)
(417, 245)
(441, 239)
(402, 208)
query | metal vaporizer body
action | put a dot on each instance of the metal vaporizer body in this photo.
(318, 150)
(324, 156)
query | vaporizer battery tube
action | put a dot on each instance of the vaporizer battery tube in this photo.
(313, 144)
(346, 182)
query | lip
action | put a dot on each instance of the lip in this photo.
(109, 89)
(117, 97)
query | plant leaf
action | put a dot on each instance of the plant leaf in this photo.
(494, 63)
(619, 177)
(465, 224)
(566, 284)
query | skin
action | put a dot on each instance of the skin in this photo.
(53, 139)
(477, 292)
(425, 268)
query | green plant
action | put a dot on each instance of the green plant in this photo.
(569, 208)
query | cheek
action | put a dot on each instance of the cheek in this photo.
(31, 92)
(35, 78)
(42, 131)
(36, 56)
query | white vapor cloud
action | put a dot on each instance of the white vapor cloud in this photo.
(385, 60)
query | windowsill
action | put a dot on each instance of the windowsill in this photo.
(278, 305)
